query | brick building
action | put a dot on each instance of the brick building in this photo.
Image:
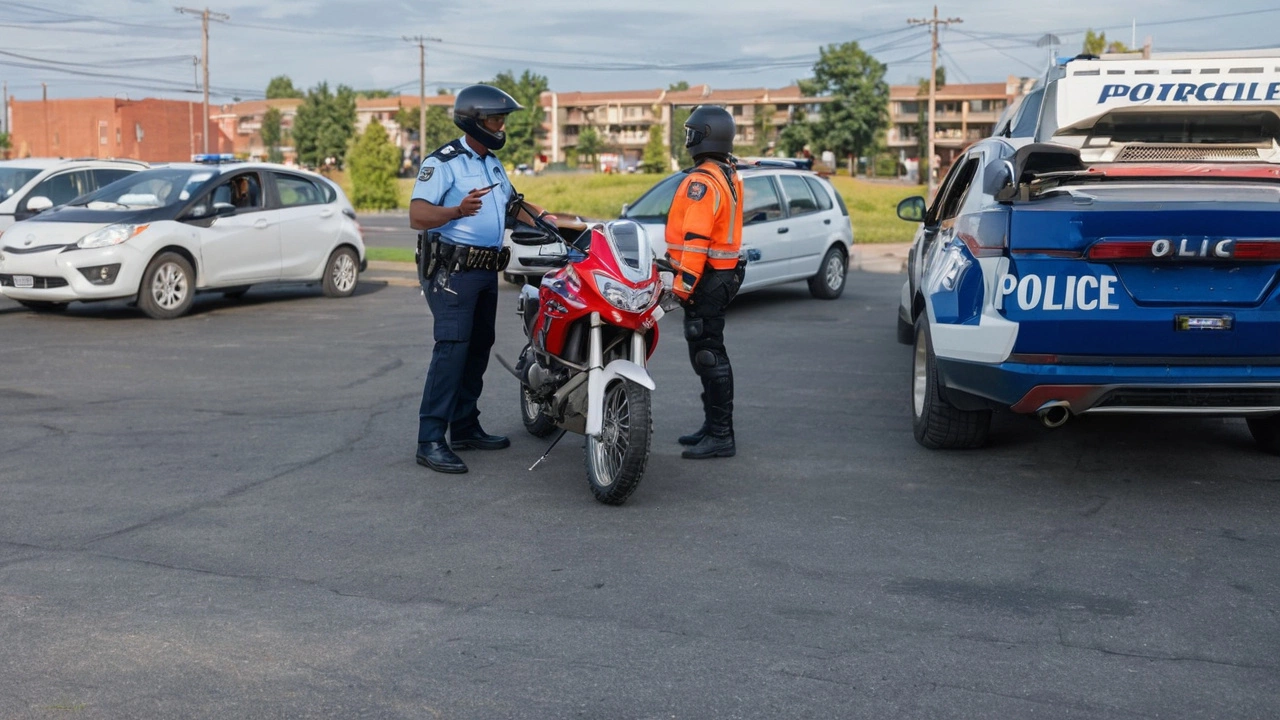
(963, 113)
(151, 130)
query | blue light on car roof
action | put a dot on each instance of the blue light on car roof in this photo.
(213, 157)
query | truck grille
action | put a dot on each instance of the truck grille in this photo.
(1184, 153)
(40, 282)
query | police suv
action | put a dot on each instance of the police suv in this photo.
(1115, 248)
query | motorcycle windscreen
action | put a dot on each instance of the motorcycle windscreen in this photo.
(631, 247)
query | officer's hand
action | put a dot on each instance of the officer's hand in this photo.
(470, 204)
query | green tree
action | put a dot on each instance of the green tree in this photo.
(795, 134)
(763, 124)
(272, 134)
(440, 127)
(1096, 44)
(4, 141)
(589, 146)
(524, 128)
(655, 153)
(324, 125)
(373, 94)
(678, 117)
(858, 105)
(281, 86)
(373, 164)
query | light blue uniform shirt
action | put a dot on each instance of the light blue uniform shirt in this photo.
(445, 178)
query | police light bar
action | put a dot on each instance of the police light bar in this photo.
(212, 157)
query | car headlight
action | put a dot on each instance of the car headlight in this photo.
(110, 235)
(623, 297)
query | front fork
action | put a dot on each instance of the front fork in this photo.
(599, 376)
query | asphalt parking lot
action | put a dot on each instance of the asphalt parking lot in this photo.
(221, 517)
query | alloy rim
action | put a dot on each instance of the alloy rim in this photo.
(169, 286)
(835, 273)
(344, 273)
(610, 448)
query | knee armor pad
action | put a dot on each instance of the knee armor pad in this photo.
(705, 359)
(692, 328)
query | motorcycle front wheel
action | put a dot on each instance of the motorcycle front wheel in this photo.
(617, 458)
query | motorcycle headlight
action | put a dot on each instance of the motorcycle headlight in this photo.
(110, 235)
(623, 297)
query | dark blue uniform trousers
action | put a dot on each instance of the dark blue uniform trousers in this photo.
(464, 334)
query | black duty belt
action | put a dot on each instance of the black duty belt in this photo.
(459, 258)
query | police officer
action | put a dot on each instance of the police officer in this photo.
(461, 198)
(704, 236)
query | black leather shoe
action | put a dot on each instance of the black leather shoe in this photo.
(438, 457)
(480, 440)
(711, 446)
(693, 438)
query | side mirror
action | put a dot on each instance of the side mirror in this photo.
(530, 236)
(224, 209)
(625, 208)
(912, 209)
(39, 203)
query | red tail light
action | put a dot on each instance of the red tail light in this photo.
(1257, 250)
(1132, 250)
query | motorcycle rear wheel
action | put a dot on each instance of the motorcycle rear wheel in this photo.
(535, 420)
(617, 458)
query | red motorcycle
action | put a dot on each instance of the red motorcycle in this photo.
(592, 325)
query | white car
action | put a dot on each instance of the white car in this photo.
(161, 235)
(32, 185)
(795, 226)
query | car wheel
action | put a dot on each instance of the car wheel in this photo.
(906, 333)
(168, 287)
(341, 273)
(235, 293)
(936, 423)
(43, 306)
(517, 280)
(1266, 433)
(828, 284)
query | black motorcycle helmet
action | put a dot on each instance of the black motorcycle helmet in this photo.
(477, 102)
(709, 131)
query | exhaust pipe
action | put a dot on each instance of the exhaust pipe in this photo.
(1055, 414)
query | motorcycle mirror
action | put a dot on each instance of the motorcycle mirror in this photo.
(545, 261)
(529, 236)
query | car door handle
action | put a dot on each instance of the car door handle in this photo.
(260, 223)
(327, 212)
(827, 221)
(782, 230)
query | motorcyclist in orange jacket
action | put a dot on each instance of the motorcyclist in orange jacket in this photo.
(704, 238)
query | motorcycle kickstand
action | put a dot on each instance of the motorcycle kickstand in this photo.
(549, 449)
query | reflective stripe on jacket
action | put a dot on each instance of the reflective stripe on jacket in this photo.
(704, 225)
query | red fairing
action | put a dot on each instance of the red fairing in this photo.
(572, 293)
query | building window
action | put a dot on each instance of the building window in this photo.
(102, 132)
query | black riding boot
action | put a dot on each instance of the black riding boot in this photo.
(718, 401)
(695, 437)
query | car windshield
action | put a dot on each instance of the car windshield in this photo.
(13, 178)
(150, 188)
(654, 204)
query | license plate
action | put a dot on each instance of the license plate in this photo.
(24, 281)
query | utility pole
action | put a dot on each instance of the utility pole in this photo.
(421, 42)
(933, 84)
(205, 16)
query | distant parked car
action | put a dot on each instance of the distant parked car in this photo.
(161, 235)
(795, 226)
(33, 185)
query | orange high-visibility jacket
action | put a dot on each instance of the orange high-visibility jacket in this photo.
(704, 225)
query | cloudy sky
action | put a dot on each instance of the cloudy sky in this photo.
(143, 48)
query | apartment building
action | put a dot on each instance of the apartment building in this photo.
(151, 130)
(622, 120)
(963, 113)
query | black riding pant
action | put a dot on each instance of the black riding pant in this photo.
(704, 330)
